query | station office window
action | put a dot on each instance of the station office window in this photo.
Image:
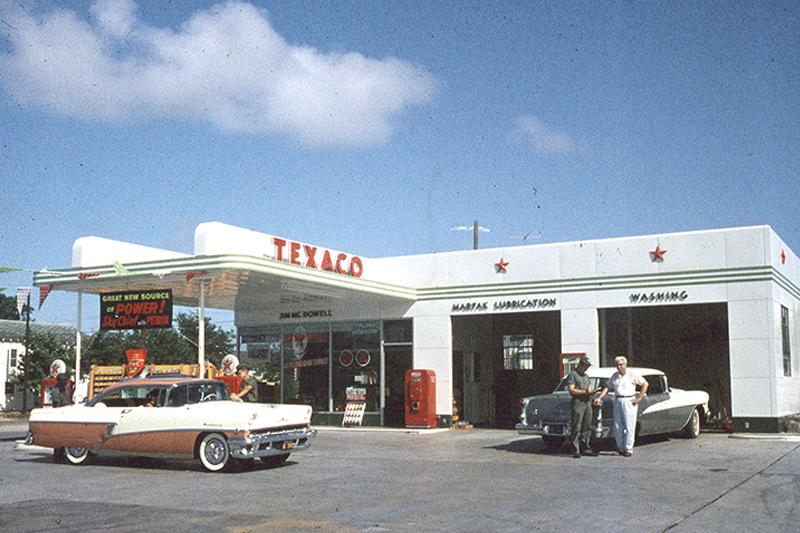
(787, 347)
(356, 362)
(316, 363)
(518, 352)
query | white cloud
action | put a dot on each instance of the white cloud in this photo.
(225, 65)
(115, 17)
(542, 137)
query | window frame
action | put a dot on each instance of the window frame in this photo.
(786, 342)
(519, 355)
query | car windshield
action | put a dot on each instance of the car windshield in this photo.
(595, 383)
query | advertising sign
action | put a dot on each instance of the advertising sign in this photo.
(229, 364)
(57, 367)
(136, 360)
(356, 394)
(136, 310)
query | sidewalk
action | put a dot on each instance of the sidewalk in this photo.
(13, 429)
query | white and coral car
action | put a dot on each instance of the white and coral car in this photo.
(662, 410)
(190, 418)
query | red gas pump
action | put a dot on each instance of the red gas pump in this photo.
(46, 392)
(233, 382)
(420, 399)
(228, 366)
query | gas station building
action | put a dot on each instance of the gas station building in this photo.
(715, 310)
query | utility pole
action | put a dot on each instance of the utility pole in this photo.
(475, 229)
(27, 359)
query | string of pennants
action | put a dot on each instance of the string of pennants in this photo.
(24, 292)
(44, 292)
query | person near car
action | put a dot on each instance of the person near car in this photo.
(151, 400)
(579, 387)
(624, 382)
(248, 391)
(61, 395)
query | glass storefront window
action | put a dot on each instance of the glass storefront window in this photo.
(326, 365)
(356, 365)
(305, 365)
(263, 352)
(398, 331)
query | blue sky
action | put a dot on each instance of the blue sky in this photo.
(376, 127)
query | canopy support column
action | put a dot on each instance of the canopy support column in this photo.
(201, 329)
(78, 342)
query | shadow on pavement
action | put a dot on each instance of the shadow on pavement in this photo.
(535, 445)
(148, 463)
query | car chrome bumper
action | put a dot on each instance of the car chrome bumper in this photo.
(543, 428)
(277, 443)
(599, 431)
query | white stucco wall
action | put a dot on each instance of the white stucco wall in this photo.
(752, 358)
(433, 349)
(9, 402)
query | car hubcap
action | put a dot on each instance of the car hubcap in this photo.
(77, 452)
(215, 452)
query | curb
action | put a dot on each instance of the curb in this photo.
(367, 429)
(780, 437)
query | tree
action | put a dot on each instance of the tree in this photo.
(167, 347)
(8, 308)
(43, 349)
(219, 342)
(176, 345)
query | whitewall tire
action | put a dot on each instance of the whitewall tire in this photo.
(214, 452)
(77, 456)
(692, 428)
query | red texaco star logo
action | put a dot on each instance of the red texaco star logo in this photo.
(658, 255)
(501, 266)
(783, 257)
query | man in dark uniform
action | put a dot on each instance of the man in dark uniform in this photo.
(61, 393)
(579, 388)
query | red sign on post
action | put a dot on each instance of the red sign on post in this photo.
(136, 359)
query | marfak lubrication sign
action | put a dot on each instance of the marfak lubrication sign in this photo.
(136, 310)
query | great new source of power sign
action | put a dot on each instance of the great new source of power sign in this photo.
(136, 310)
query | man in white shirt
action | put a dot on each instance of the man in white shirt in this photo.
(624, 382)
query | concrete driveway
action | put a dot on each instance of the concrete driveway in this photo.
(439, 481)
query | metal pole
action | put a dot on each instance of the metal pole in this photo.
(28, 356)
(78, 343)
(201, 329)
(475, 236)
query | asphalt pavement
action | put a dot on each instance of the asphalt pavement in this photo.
(422, 481)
